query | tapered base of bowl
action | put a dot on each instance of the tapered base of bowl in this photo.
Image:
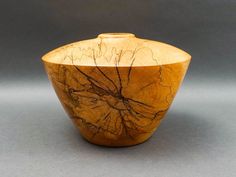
(117, 143)
(103, 139)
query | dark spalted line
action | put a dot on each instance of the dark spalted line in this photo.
(97, 89)
(95, 62)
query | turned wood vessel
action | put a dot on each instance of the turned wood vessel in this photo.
(116, 88)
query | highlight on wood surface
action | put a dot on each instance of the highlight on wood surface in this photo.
(116, 88)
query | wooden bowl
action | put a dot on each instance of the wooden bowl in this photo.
(116, 88)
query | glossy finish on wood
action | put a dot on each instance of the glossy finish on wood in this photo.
(116, 88)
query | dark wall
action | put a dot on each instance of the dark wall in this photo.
(205, 29)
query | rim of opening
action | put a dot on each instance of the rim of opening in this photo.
(116, 35)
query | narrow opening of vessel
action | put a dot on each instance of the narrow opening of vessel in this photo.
(116, 35)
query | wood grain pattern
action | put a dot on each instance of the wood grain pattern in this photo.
(119, 105)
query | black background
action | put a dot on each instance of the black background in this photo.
(205, 29)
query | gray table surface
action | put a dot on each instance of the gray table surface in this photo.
(197, 138)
